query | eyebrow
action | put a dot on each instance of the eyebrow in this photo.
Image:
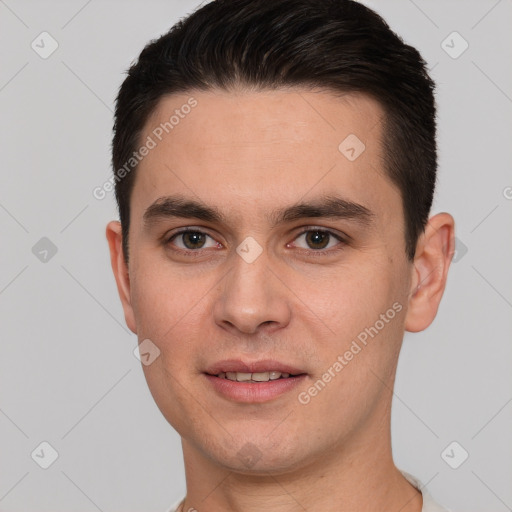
(331, 207)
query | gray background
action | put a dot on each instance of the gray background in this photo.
(67, 372)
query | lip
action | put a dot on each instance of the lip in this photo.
(253, 392)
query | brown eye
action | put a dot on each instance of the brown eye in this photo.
(190, 240)
(317, 239)
(193, 239)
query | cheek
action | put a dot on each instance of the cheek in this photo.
(167, 311)
(364, 310)
(365, 314)
(172, 310)
(163, 300)
(353, 297)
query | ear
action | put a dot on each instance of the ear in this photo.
(120, 269)
(434, 252)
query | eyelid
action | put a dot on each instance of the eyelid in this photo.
(343, 241)
(168, 238)
(342, 237)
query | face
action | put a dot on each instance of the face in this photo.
(266, 240)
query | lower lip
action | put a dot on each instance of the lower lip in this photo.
(254, 392)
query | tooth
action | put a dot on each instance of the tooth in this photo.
(260, 377)
(254, 377)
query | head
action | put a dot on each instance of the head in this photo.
(295, 141)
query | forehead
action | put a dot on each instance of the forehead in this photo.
(259, 147)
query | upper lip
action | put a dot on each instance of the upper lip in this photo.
(237, 365)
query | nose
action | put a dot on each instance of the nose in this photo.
(252, 298)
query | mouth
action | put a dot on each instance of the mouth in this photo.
(255, 377)
(255, 382)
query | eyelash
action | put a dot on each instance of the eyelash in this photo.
(316, 252)
(323, 252)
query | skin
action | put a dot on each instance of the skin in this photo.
(247, 154)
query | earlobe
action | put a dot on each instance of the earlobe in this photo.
(120, 269)
(434, 253)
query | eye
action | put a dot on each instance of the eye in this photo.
(317, 239)
(191, 239)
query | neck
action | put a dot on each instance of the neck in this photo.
(362, 478)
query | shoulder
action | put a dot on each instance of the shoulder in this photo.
(429, 504)
(176, 506)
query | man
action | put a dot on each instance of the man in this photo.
(275, 166)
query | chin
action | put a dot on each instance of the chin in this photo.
(252, 461)
(257, 455)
